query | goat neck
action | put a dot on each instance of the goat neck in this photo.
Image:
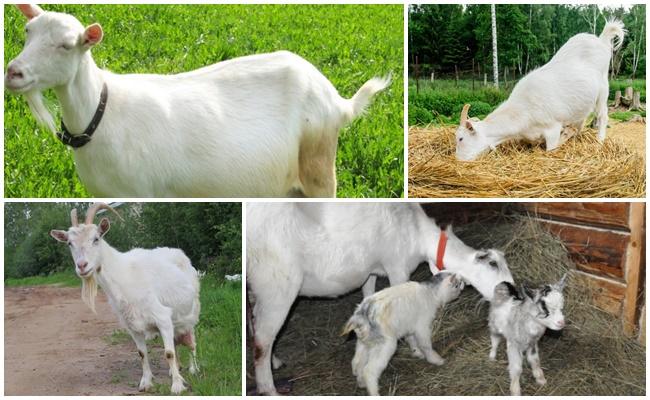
(503, 124)
(112, 271)
(79, 98)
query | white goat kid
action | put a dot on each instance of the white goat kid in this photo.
(151, 291)
(262, 125)
(330, 249)
(522, 317)
(406, 310)
(550, 101)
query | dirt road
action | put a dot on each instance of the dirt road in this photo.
(54, 345)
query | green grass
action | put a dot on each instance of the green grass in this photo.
(440, 102)
(67, 278)
(348, 43)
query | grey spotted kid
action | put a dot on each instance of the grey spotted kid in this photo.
(522, 317)
(407, 310)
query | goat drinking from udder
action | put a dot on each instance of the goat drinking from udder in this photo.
(522, 317)
(407, 310)
(152, 291)
(552, 102)
(258, 126)
(330, 249)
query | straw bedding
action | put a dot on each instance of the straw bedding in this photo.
(590, 356)
(581, 168)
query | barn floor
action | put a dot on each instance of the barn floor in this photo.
(589, 357)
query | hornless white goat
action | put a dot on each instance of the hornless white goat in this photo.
(521, 317)
(329, 249)
(406, 310)
(262, 125)
(151, 291)
(550, 101)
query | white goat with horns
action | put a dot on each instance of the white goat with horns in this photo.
(330, 249)
(151, 291)
(552, 102)
(258, 126)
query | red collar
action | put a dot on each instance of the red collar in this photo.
(442, 245)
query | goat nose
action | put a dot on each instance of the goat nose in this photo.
(82, 265)
(14, 73)
(560, 323)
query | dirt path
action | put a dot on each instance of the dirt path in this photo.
(54, 345)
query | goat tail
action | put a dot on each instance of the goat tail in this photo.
(358, 324)
(89, 291)
(613, 33)
(363, 96)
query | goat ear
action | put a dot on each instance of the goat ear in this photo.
(61, 236)
(482, 255)
(525, 291)
(562, 282)
(92, 35)
(104, 226)
(30, 11)
(470, 127)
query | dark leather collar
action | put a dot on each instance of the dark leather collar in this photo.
(77, 141)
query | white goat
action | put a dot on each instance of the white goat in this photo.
(550, 101)
(262, 125)
(521, 317)
(151, 291)
(329, 249)
(406, 310)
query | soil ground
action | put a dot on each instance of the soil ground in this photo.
(54, 345)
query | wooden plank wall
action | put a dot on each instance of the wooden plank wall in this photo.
(605, 240)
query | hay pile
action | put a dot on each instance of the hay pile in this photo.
(581, 168)
(590, 357)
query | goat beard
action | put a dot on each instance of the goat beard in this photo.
(40, 111)
(89, 291)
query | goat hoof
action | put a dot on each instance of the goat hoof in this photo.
(177, 387)
(144, 386)
(438, 361)
(417, 354)
(541, 381)
(493, 357)
(361, 383)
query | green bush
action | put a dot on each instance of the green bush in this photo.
(209, 233)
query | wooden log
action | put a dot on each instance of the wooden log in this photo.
(604, 215)
(608, 295)
(636, 101)
(633, 263)
(642, 326)
(596, 251)
(617, 99)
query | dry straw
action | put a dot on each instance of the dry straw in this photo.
(590, 357)
(581, 168)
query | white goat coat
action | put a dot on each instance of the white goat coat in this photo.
(231, 129)
(329, 249)
(146, 286)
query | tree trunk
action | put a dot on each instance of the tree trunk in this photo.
(495, 57)
(456, 69)
(617, 98)
(636, 101)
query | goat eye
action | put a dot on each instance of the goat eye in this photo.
(64, 47)
(493, 264)
(69, 244)
(96, 241)
(460, 139)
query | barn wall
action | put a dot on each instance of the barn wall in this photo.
(605, 240)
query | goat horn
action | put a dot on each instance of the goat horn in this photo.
(463, 114)
(90, 214)
(73, 217)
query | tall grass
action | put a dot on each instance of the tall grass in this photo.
(348, 43)
(442, 100)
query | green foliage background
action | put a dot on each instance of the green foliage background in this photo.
(209, 233)
(348, 43)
